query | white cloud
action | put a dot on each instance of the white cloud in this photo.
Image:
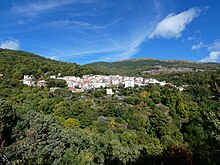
(198, 46)
(112, 49)
(10, 44)
(213, 57)
(73, 24)
(213, 49)
(118, 55)
(214, 46)
(173, 25)
(191, 38)
(125, 49)
(54, 58)
(31, 9)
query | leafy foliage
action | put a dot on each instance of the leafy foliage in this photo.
(143, 125)
(15, 64)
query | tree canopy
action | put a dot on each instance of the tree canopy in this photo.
(136, 126)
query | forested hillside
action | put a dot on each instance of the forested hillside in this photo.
(15, 64)
(136, 67)
(136, 126)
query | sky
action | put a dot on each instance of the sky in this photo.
(86, 31)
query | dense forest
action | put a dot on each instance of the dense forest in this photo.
(136, 126)
(15, 64)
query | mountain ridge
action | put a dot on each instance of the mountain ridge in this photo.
(137, 67)
(144, 59)
(17, 63)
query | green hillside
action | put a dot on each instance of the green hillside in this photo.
(136, 67)
(150, 124)
(15, 64)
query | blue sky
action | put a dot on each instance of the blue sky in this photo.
(85, 31)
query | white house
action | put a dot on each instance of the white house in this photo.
(98, 85)
(70, 78)
(115, 82)
(109, 92)
(152, 81)
(72, 84)
(29, 80)
(53, 77)
(85, 86)
(129, 83)
(162, 83)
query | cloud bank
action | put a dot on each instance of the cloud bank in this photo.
(213, 57)
(10, 44)
(174, 24)
(213, 49)
(198, 46)
(214, 46)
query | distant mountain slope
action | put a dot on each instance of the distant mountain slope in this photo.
(140, 66)
(15, 64)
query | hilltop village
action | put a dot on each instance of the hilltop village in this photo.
(77, 84)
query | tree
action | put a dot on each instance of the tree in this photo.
(56, 83)
(8, 120)
(39, 140)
